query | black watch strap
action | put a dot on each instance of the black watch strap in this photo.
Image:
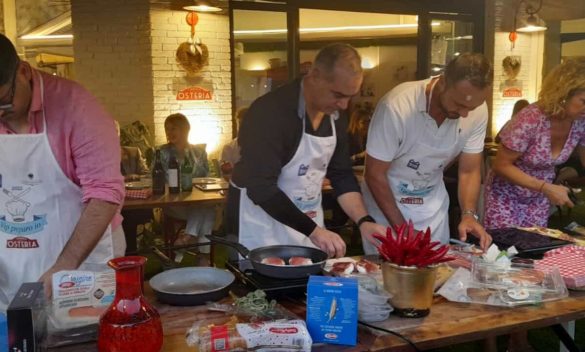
(366, 218)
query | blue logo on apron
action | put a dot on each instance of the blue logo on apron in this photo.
(303, 170)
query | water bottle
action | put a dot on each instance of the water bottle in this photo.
(173, 175)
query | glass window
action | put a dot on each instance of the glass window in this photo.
(387, 44)
(450, 38)
(260, 54)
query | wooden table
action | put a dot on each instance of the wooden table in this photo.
(448, 324)
(195, 197)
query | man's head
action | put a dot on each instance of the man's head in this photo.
(466, 83)
(14, 95)
(335, 77)
(177, 128)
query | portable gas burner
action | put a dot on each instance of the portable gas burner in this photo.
(273, 287)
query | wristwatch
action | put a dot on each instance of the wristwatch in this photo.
(366, 218)
(470, 212)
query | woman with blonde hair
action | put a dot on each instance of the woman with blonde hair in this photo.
(519, 189)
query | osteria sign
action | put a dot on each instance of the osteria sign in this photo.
(194, 93)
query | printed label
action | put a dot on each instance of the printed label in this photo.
(219, 338)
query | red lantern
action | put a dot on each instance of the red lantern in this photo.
(513, 36)
(192, 19)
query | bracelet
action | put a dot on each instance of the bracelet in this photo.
(470, 212)
(366, 218)
(541, 186)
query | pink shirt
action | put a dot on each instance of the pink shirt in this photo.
(82, 136)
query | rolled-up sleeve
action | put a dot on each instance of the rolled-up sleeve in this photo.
(96, 153)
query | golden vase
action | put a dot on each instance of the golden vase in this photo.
(411, 288)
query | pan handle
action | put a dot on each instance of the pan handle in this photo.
(166, 260)
(238, 246)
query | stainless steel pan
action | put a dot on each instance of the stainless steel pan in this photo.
(284, 252)
(191, 286)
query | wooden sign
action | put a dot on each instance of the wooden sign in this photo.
(194, 93)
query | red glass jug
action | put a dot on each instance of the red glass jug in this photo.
(130, 323)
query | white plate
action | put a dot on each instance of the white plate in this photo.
(206, 180)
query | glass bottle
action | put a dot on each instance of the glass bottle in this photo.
(158, 175)
(173, 175)
(130, 324)
(186, 173)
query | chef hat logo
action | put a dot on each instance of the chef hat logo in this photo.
(17, 210)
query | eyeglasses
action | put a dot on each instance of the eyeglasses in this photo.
(7, 105)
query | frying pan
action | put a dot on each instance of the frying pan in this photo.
(281, 251)
(191, 286)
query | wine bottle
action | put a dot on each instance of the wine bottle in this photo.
(158, 175)
(173, 175)
(186, 173)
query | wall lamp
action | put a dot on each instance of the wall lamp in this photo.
(532, 23)
(203, 6)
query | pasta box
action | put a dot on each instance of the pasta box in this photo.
(332, 309)
(26, 318)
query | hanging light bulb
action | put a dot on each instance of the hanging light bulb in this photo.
(532, 23)
(202, 6)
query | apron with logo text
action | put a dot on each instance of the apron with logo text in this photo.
(39, 208)
(301, 179)
(416, 180)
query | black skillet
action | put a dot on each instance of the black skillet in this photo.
(284, 252)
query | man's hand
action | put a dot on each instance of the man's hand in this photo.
(47, 277)
(367, 229)
(467, 225)
(328, 241)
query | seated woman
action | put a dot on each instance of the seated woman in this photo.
(520, 187)
(132, 164)
(200, 220)
(357, 131)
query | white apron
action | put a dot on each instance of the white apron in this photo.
(301, 179)
(416, 180)
(39, 208)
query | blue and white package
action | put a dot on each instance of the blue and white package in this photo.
(332, 309)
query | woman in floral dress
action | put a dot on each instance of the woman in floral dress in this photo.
(519, 189)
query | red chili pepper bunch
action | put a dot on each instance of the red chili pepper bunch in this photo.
(405, 248)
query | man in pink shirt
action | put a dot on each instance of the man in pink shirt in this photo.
(60, 180)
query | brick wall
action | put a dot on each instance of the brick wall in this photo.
(530, 49)
(113, 56)
(211, 121)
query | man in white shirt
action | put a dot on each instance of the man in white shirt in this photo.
(417, 130)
